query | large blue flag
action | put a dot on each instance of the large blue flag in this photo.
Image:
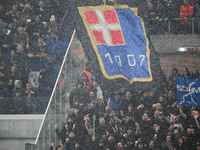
(119, 39)
(117, 44)
(188, 92)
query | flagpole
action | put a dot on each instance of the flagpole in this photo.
(93, 137)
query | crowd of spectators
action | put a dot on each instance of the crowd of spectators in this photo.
(25, 58)
(26, 26)
(130, 120)
(179, 15)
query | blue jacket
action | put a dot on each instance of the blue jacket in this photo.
(114, 105)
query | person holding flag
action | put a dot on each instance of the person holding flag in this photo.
(89, 80)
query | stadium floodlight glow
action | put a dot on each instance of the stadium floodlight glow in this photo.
(182, 49)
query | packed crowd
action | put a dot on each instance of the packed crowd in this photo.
(130, 120)
(25, 58)
(183, 15)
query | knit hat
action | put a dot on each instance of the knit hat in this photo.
(16, 83)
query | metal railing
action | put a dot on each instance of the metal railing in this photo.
(177, 20)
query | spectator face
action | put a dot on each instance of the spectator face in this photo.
(107, 108)
(156, 127)
(28, 86)
(158, 106)
(37, 19)
(27, 7)
(176, 131)
(119, 145)
(91, 106)
(156, 113)
(168, 138)
(145, 116)
(151, 144)
(170, 94)
(174, 72)
(41, 4)
(129, 131)
(170, 83)
(161, 99)
(175, 119)
(40, 42)
(90, 131)
(160, 116)
(13, 69)
(150, 5)
(117, 97)
(151, 93)
(185, 2)
(20, 49)
(101, 121)
(128, 95)
(20, 29)
(12, 53)
(130, 108)
(195, 70)
(77, 146)
(69, 119)
(111, 139)
(140, 146)
(76, 111)
(92, 94)
(180, 141)
(59, 148)
(14, 8)
(100, 101)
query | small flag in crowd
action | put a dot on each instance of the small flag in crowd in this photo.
(188, 92)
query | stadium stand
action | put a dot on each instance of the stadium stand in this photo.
(143, 120)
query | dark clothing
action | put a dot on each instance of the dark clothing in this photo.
(66, 129)
(5, 39)
(42, 49)
(3, 99)
(21, 38)
(21, 60)
(100, 130)
(36, 28)
(195, 76)
(44, 14)
(37, 64)
(79, 95)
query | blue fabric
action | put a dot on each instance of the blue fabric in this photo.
(37, 64)
(128, 59)
(61, 46)
(114, 105)
(188, 92)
